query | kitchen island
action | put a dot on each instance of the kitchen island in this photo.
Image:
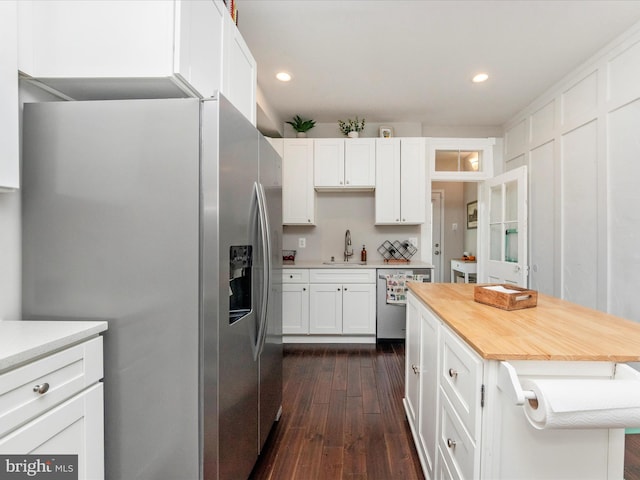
(469, 368)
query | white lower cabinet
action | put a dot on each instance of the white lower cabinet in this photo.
(54, 405)
(421, 399)
(324, 304)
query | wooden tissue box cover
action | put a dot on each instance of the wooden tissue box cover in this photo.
(506, 297)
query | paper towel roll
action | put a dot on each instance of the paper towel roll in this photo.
(588, 403)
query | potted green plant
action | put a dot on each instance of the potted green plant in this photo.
(351, 128)
(301, 125)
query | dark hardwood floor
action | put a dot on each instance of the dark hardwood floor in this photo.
(343, 418)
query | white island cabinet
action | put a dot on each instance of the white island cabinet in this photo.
(469, 401)
(51, 397)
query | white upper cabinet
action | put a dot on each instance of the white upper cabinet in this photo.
(400, 181)
(239, 81)
(9, 157)
(298, 195)
(344, 163)
(136, 49)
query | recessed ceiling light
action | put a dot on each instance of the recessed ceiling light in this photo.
(481, 77)
(283, 76)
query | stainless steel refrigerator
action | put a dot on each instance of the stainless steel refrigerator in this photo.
(164, 218)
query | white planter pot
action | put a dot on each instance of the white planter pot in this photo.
(353, 134)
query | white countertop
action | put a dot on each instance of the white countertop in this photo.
(356, 264)
(25, 340)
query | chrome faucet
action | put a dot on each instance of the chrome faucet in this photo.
(348, 250)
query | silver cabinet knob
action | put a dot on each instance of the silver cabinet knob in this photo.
(41, 389)
(453, 373)
(437, 252)
(415, 369)
(451, 443)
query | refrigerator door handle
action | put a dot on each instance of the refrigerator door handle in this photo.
(268, 266)
(266, 258)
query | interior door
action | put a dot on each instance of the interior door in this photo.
(503, 229)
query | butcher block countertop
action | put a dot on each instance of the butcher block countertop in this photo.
(553, 330)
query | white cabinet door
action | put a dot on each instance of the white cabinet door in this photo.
(359, 309)
(325, 308)
(360, 162)
(328, 168)
(345, 163)
(387, 203)
(75, 427)
(429, 369)
(298, 195)
(133, 49)
(240, 71)
(400, 181)
(9, 137)
(413, 180)
(412, 365)
(295, 308)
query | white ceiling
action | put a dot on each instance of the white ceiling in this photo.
(412, 60)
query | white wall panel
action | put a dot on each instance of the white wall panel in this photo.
(624, 211)
(579, 215)
(515, 140)
(516, 162)
(542, 208)
(580, 101)
(542, 124)
(624, 76)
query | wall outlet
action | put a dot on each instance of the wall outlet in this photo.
(454, 226)
(413, 241)
(302, 243)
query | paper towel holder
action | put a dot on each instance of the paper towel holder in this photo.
(509, 383)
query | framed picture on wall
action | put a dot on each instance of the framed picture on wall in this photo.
(472, 215)
(385, 132)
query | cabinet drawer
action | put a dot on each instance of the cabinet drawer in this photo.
(295, 275)
(461, 379)
(66, 373)
(342, 275)
(457, 447)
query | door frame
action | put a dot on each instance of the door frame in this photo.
(437, 260)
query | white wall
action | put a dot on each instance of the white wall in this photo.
(10, 226)
(337, 212)
(331, 130)
(581, 143)
(10, 256)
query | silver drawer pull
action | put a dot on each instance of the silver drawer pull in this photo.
(451, 443)
(44, 388)
(453, 373)
(415, 368)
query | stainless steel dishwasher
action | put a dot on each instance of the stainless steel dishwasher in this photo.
(391, 321)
